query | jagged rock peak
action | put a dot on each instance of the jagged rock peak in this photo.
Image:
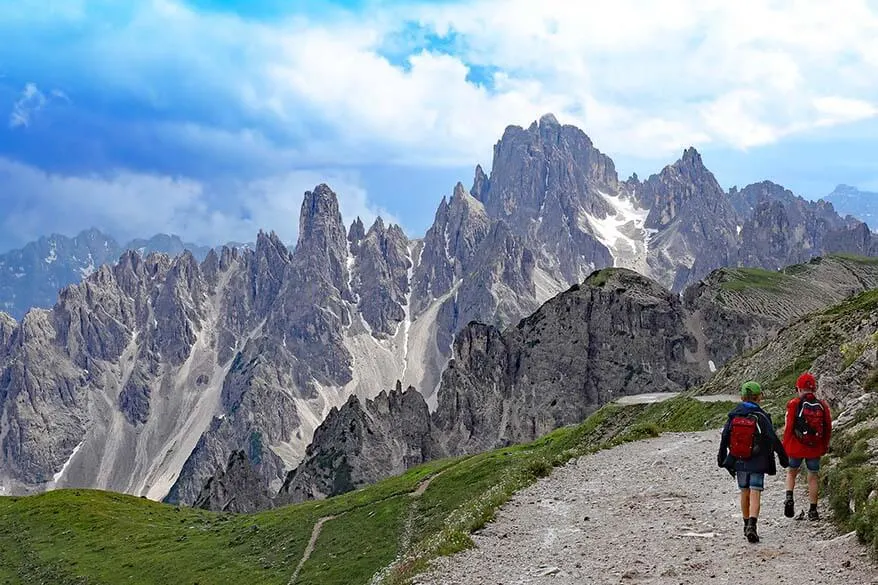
(481, 183)
(549, 119)
(7, 328)
(357, 231)
(691, 156)
(690, 164)
(268, 239)
(319, 208)
(377, 226)
(461, 199)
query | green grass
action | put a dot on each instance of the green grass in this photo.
(87, 536)
(600, 277)
(870, 260)
(113, 538)
(865, 302)
(356, 543)
(850, 481)
(740, 279)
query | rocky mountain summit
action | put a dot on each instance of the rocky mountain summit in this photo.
(33, 275)
(147, 376)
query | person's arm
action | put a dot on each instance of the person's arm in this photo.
(723, 446)
(789, 423)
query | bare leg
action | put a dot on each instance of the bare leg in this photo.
(792, 474)
(745, 503)
(812, 486)
(755, 501)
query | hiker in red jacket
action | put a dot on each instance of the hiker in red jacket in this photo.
(806, 438)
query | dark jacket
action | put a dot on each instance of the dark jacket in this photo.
(761, 462)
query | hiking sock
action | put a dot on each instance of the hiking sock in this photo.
(789, 507)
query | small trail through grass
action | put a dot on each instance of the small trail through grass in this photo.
(315, 534)
(405, 536)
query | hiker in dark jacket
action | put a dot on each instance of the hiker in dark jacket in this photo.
(747, 449)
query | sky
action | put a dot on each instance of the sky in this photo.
(211, 118)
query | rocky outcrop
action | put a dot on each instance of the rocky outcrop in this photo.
(238, 488)
(361, 443)
(617, 334)
(451, 248)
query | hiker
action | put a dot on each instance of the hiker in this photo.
(747, 451)
(806, 438)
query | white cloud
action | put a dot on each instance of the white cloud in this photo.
(643, 79)
(31, 101)
(840, 110)
(132, 205)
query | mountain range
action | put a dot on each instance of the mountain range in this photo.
(147, 376)
(33, 275)
(851, 201)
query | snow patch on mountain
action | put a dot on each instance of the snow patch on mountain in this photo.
(89, 268)
(622, 232)
(57, 477)
(53, 255)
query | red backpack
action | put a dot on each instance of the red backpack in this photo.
(810, 424)
(744, 436)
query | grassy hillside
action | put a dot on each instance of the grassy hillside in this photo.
(94, 537)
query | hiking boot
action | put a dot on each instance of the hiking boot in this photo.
(813, 514)
(750, 532)
(789, 508)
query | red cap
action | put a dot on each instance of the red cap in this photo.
(806, 382)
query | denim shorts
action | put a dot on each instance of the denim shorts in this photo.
(813, 465)
(750, 481)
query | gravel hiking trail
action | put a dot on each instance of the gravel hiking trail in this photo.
(657, 511)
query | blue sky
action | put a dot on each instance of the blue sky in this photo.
(210, 118)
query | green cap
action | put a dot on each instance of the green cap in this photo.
(750, 388)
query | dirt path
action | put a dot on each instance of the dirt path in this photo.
(657, 512)
(315, 534)
(656, 397)
(422, 487)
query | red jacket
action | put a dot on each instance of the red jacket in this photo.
(794, 448)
